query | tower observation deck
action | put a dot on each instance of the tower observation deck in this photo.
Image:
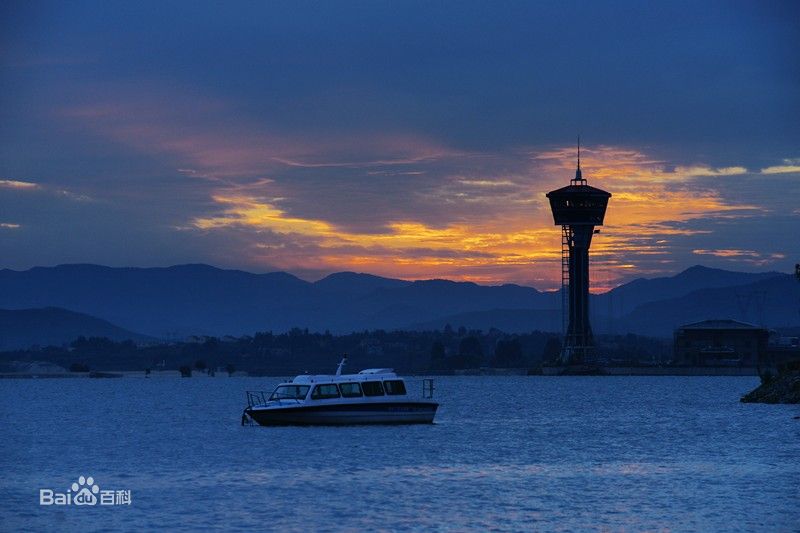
(577, 208)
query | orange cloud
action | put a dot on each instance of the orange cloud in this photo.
(409, 206)
(511, 237)
(401, 242)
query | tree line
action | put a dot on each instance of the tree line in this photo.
(298, 351)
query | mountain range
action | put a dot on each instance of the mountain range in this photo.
(51, 326)
(178, 301)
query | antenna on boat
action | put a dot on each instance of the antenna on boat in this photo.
(341, 365)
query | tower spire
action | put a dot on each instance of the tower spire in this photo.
(578, 173)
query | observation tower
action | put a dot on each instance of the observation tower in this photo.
(577, 208)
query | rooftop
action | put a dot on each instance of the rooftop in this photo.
(721, 324)
(372, 374)
(582, 188)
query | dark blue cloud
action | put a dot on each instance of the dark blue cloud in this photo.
(476, 73)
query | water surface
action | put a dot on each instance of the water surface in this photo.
(506, 453)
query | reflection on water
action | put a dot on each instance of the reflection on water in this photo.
(508, 453)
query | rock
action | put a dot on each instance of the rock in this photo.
(784, 388)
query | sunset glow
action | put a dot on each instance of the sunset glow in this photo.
(502, 242)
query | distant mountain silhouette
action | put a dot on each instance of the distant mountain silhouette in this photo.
(51, 326)
(507, 320)
(353, 283)
(431, 299)
(773, 302)
(186, 300)
(178, 301)
(627, 297)
(168, 302)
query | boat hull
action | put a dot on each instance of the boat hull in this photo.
(345, 414)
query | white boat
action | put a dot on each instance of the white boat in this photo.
(373, 396)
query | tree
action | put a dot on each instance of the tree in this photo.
(508, 354)
(211, 343)
(470, 353)
(437, 357)
(552, 349)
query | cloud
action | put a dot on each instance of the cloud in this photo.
(647, 192)
(405, 204)
(18, 185)
(487, 183)
(202, 137)
(11, 186)
(250, 212)
(748, 256)
(696, 171)
(653, 210)
(404, 248)
(629, 165)
(789, 166)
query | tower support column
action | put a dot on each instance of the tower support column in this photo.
(579, 341)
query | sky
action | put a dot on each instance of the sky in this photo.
(406, 139)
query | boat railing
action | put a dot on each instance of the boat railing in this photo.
(427, 388)
(256, 398)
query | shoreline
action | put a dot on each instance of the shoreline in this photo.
(659, 371)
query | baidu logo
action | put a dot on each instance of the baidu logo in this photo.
(85, 492)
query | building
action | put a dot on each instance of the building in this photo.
(782, 350)
(720, 343)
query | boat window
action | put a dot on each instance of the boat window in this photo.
(290, 392)
(395, 387)
(323, 392)
(372, 388)
(350, 390)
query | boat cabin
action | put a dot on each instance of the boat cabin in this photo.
(370, 383)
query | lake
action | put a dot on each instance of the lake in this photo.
(505, 453)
